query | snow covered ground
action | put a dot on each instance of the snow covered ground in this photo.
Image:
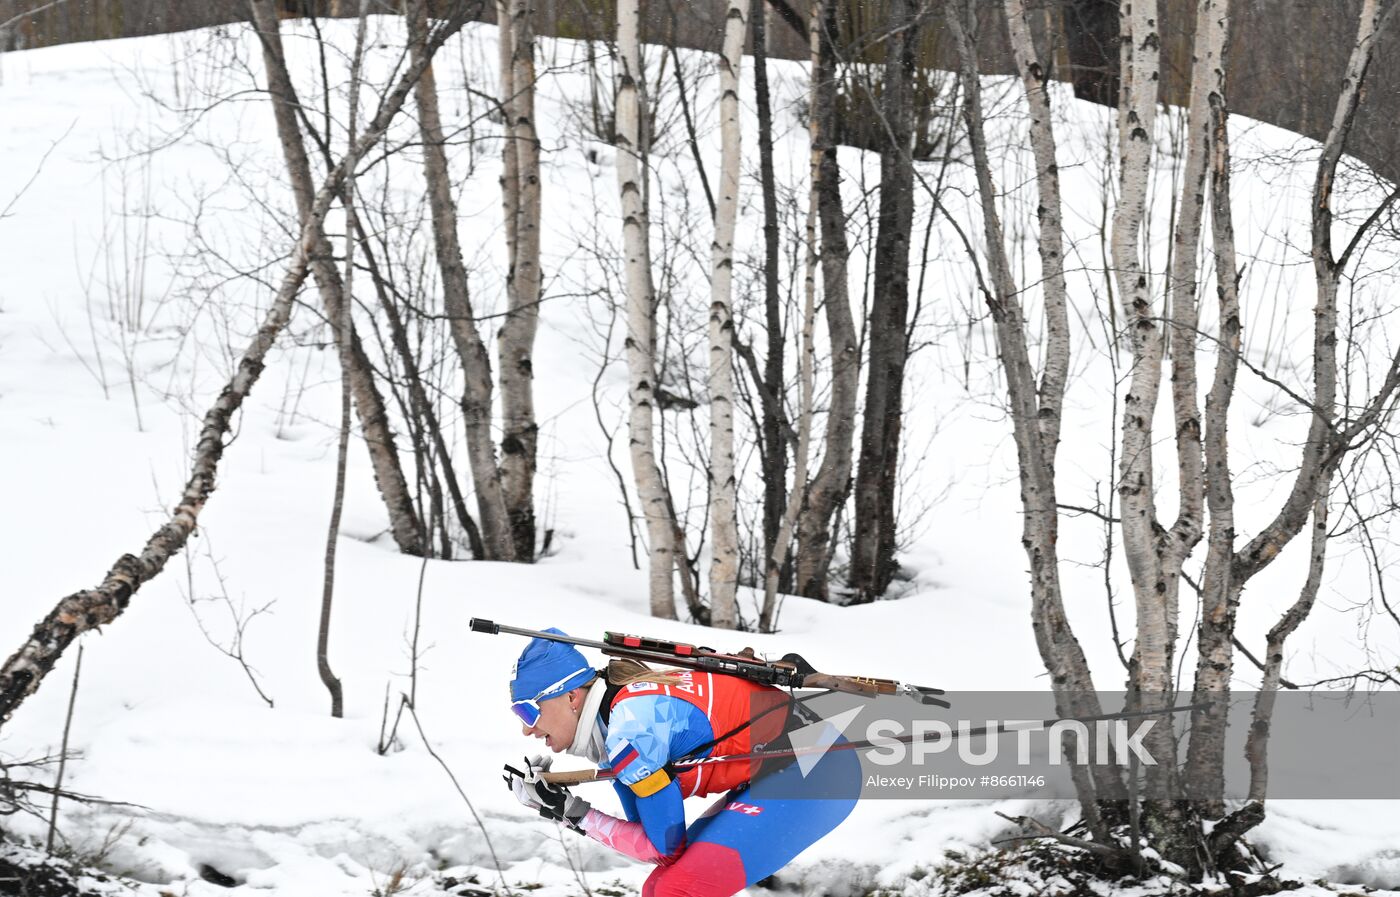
(291, 802)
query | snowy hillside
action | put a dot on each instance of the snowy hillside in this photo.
(132, 269)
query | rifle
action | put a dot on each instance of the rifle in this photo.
(792, 671)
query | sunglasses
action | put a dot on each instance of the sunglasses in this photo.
(528, 711)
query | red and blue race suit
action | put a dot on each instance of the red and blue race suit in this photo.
(740, 839)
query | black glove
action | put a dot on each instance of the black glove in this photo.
(551, 801)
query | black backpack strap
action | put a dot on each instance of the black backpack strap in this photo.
(610, 693)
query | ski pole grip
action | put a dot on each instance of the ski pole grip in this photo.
(479, 625)
(571, 777)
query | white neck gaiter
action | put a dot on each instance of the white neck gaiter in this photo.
(588, 737)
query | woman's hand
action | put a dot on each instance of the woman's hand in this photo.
(550, 801)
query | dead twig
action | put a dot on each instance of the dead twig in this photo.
(1038, 829)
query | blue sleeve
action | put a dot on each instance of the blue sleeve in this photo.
(629, 800)
(645, 733)
(662, 815)
(663, 818)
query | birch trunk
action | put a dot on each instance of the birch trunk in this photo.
(1137, 111)
(1320, 454)
(1035, 431)
(456, 296)
(640, 340)
(1325, 446)
(404, 524)
(516, 340)
(510, 160)
(1154, 560)
(832, 482)
(1207, 81)
(22, 673)
(724, 522)
(1220, 594)
(1219, 589)
(1256, 747)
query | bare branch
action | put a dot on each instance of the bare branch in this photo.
(38, 169)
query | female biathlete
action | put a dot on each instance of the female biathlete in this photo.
(636, 722)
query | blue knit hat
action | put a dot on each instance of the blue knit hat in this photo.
(548, 669)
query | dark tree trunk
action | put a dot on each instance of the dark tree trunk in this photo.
(774, 444)
(369, 403)
(1091, 37)
(872, 552)
(833, 480)
(476, 402)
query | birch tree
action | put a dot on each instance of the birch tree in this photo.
(1328, 442)
(407, 529)
(1154, 553)
(724, 523)
(521, 191)
(630, 110)
(1035, 405)
(24, 671)
(1176, 828)
(456, 296)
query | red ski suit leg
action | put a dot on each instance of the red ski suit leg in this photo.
(750, 834)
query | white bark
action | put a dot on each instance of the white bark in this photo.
(1208, 140)
(724, 523)
(517, 336)
(640, 341)
(1322, 453)
(1219, 586)
(1137, 113)
(510, 165)
(1051, 239)
(1035, 434)
(1207, 80)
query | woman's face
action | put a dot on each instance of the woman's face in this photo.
(558, 720)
